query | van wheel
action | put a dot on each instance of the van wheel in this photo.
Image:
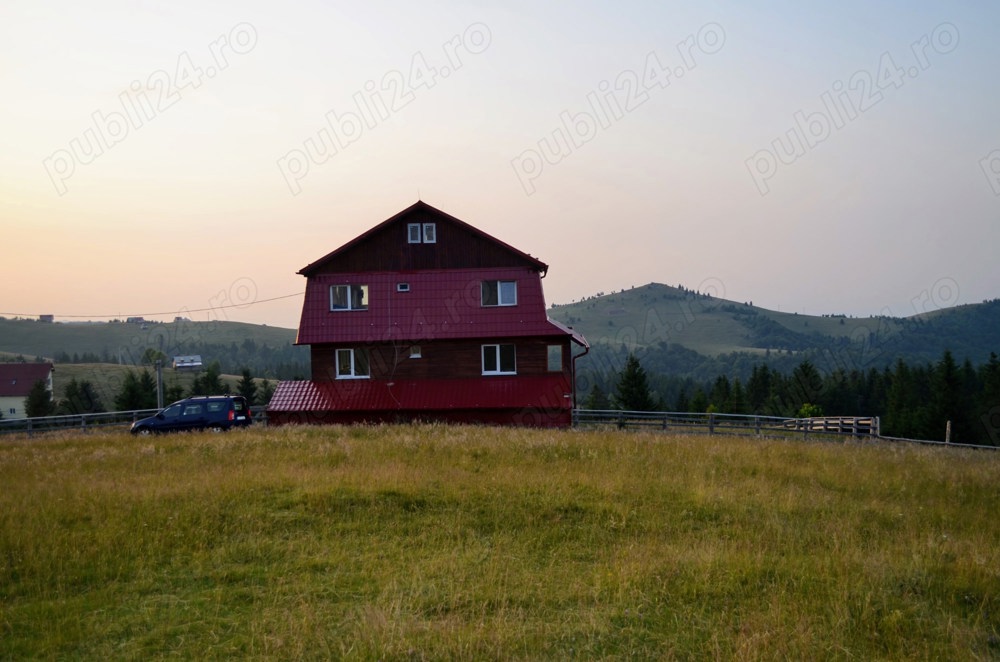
(145, 432)
(216, 428)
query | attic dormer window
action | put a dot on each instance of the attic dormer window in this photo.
(421, 233)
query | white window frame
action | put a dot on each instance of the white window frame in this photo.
(498, 287)
(350, 298)
(352, 372)
(421, 233)
(415, 352)
(430, 233)
(495, 353)
(414, 235)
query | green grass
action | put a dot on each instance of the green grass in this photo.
(435, 542)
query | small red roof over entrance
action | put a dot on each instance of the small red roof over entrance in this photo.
(421, 395)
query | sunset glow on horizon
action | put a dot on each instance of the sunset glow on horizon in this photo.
(166, 160)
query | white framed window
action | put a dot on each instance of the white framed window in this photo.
(499, 360)
(353, 364)
(348, 297)
(421, 233)
(402, 287)
(554, 358)
(415, 352)
(413, 235)
(499, 293)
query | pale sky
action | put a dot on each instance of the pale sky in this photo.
(172, 157)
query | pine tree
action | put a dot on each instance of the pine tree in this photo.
(39, 401)
(719, 397)
(632, 392)
(266, 391)
(737, 403)
(247, 387)
(758, 388)
(129, 397)
(597, 399)
(137, 392)
(210, 383)
(989, 401)
(806, 385)
(80, 398)
(147, 389)
(949, 401)
(699, 403)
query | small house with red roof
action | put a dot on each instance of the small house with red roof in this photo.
(16, 382)
(425, 317)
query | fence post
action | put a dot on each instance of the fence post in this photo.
(29, 428)
(756, 425)
(711, 423)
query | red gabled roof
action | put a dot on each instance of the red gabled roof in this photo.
(16, 379)
(421, 206)
(439, 305)
(549, 392)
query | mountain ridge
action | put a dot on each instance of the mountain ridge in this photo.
(691, 334)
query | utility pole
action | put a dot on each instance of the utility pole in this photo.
(159, 384)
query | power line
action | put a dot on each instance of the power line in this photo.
(169, 312)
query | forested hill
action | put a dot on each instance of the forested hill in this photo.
(267, 351)
(684, 333)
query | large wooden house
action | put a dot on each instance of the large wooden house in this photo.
(425, 317)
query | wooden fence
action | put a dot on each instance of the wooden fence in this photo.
(73, 421)
(737, 424)
(109, 419)
(839, 426)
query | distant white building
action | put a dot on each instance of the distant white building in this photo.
(190, 362)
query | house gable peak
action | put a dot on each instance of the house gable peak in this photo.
(421, 237)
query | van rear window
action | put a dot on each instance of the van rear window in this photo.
(216, 406)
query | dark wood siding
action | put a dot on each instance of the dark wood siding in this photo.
(461, 359)
(456, 248)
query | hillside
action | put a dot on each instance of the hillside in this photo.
(267, 351)
(688, 334)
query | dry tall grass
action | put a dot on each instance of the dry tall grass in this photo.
(433, 542)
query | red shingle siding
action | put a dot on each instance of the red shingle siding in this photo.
(539, 400)
(439, 305)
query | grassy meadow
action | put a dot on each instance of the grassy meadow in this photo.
(437, 542)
